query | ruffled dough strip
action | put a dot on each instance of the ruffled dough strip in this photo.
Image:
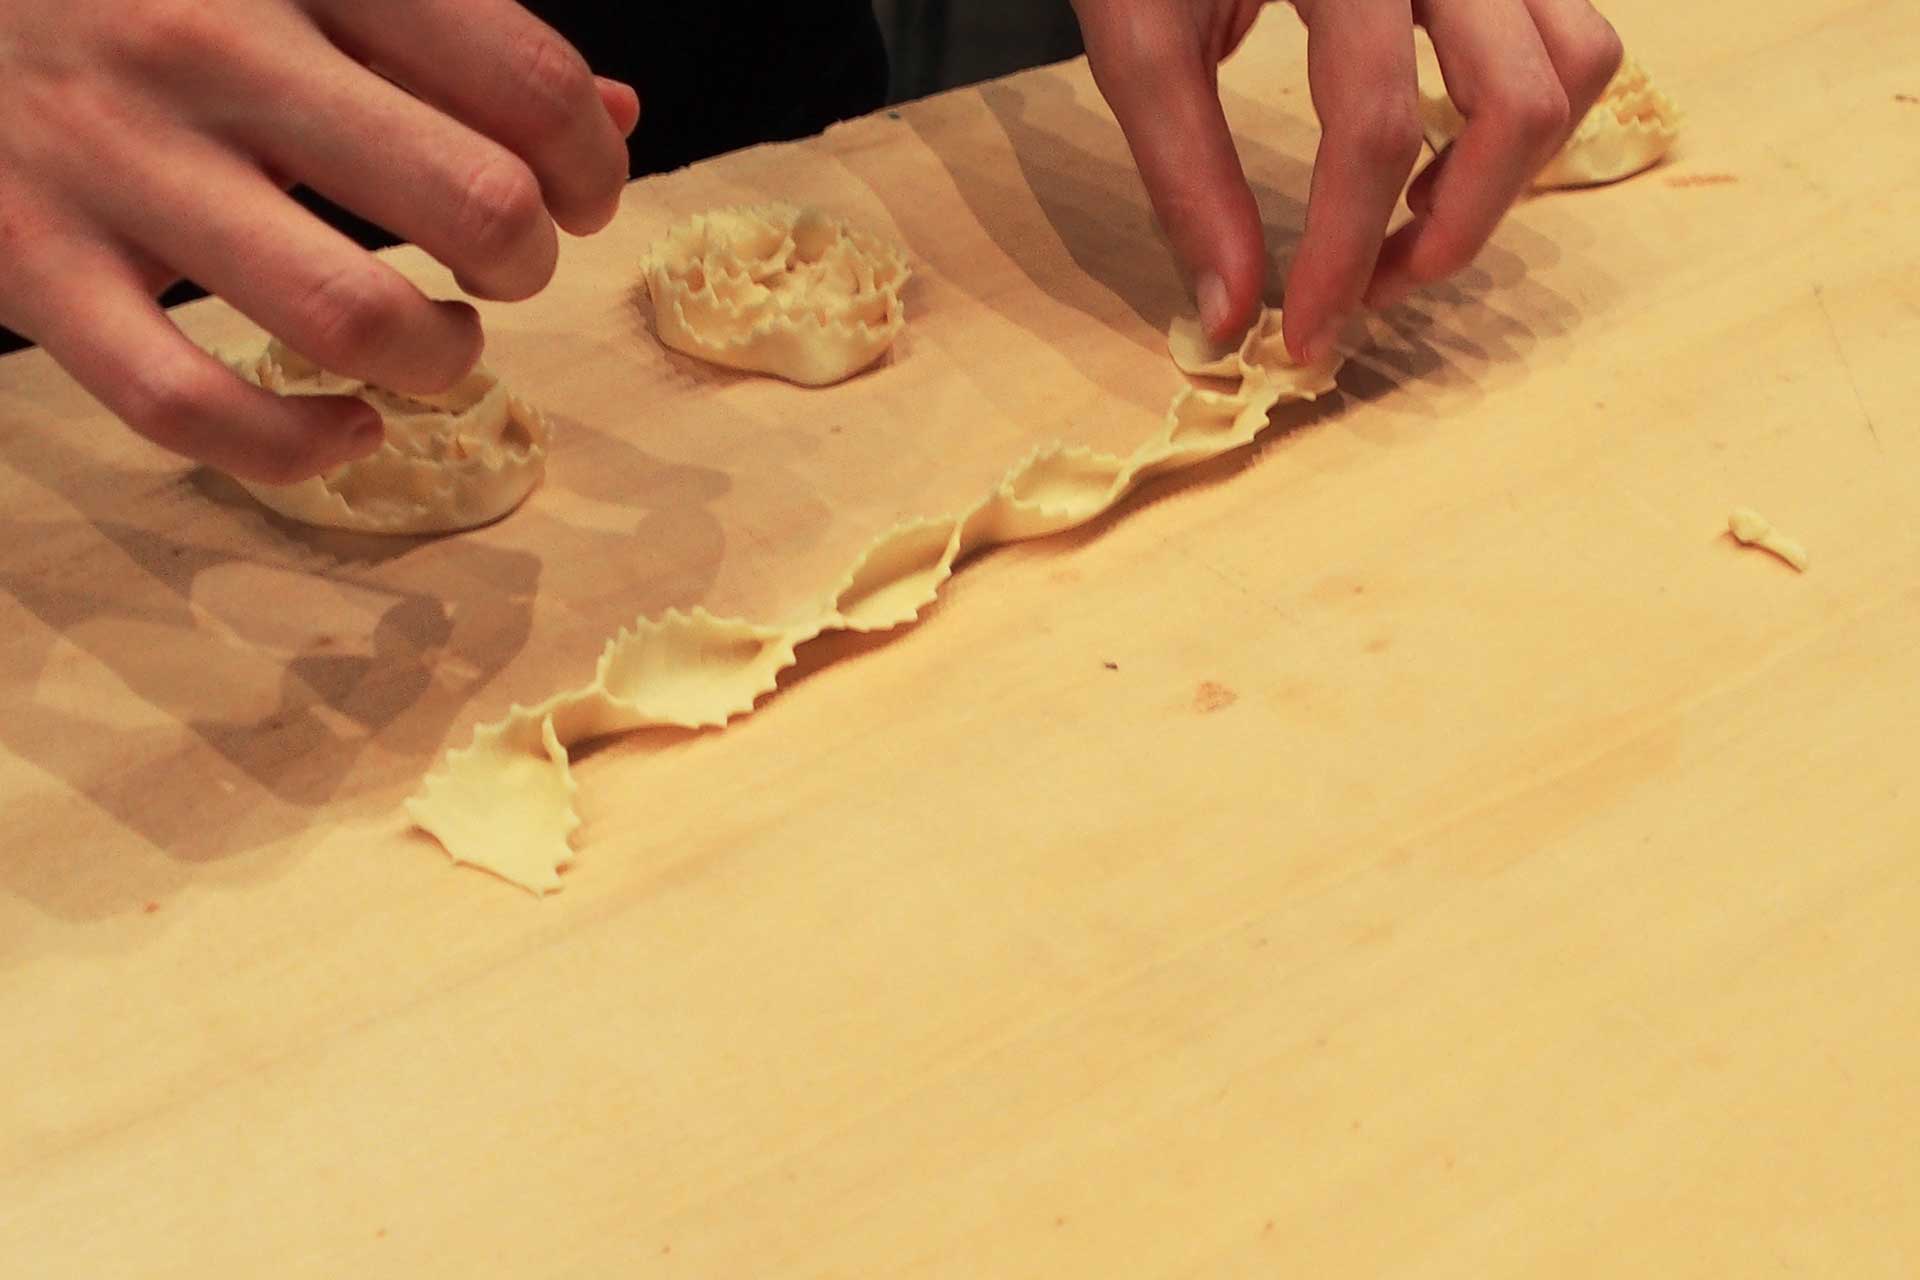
(777, 289)
(452, 461)
(505, 803)
(1630, 128)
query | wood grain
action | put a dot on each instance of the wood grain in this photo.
(1423, 844)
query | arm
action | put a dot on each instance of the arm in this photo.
(147, 140)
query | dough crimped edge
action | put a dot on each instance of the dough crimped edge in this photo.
(777, 289)
(505, 802)
(1631, 128)
(451, 461)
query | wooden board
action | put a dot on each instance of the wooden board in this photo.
(1423, 844)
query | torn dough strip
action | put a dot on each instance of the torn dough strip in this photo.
(452, 461)
(1630, 128)
(777, 289)
(505, 803)
(1752, 529)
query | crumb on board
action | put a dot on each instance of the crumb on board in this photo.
(1752, 529)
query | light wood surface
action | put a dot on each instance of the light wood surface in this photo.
(1422, 845)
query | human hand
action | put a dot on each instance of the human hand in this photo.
(1523, 72)
(146, 140)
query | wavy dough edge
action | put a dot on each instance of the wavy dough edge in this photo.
(504, 803)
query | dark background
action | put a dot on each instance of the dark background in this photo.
(938, 44)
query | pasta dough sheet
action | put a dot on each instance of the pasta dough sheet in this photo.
(505, 803)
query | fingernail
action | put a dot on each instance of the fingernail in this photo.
(1320, 346)
(367, 435)
(1211, 294)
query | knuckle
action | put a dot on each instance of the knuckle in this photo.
(500, 206)
(552, 79)
(350, 312)
(1388, 135)
(1132, 46)
(1599, 58)
(168, 35)
(1536, 113)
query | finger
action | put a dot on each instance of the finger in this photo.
(217, 220)
(1420, 190)
(622, 104)
(1584, 48)
(117, 343)
(1498, 74)
(372, 148)
(1162, 90)
(497, 68)
(1360, 67)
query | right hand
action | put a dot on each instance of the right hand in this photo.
(1523, 71)
(142, 141)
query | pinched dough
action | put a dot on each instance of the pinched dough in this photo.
(505, 803)
(1631, 128)
(449, 462)
(777, 289)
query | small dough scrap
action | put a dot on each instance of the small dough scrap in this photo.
(449, 462)
(505, 802)
(778, 289)
(1755, 530)
(1631, 128)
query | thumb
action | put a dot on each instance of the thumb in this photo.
(621, 102)
(1163, 92)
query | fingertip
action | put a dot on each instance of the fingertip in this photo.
(318, 434)
(622, 102)
(1296, 329)
(1229, 272)
(581, 223)
(365, 432)
(468, 338)
(1302, 315)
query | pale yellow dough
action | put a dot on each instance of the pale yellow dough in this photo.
(1631, 128)
(505, 803)
(777, 289)
(449, 462)
(1755, 530)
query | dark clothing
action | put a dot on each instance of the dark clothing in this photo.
(712, 76)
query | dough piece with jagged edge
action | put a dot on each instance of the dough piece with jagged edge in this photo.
(777, 289)
(1260, 353)
(449, 462)
(1631, 127)
(1752, 529)
(504, 803)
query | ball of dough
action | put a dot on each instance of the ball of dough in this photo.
(777, 289)
(451, 461)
